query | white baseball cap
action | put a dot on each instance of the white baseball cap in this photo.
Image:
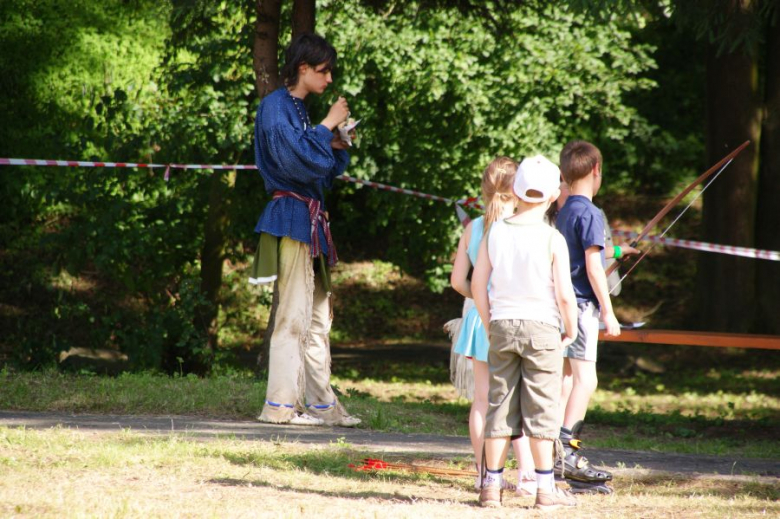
(536, 174)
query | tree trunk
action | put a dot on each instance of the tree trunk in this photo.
(726, 284)
(266, 46)
(768, 210)
(303, 17)
(265, 60)
(212, 257)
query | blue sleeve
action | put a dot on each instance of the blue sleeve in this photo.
(591, 230)
(303, 156)
(342, 161)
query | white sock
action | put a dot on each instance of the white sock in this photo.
(545, 480)
(493, 478)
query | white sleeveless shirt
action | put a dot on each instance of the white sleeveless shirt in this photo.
(522, 284)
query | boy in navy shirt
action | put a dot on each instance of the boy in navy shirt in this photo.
(582, 225)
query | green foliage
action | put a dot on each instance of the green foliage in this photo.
(442, 87)
(446, 93)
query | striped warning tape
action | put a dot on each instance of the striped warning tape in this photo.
(472, 202)
(93, 164)
(707, 247)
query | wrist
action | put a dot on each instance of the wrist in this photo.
(329, 123)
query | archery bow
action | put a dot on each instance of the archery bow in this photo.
(720, 166)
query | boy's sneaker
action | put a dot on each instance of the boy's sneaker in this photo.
(553, 500)
(490, 496)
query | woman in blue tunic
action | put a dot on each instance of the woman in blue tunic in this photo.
(298, 161)
(471, 339)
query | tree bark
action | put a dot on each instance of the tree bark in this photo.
(726, 284)
(303, 17)
(265, 59)
(768, 210)
(212, 258)
(265, 52)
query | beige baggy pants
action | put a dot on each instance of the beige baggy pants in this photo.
(299, 354)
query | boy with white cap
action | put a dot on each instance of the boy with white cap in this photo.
(527, 263)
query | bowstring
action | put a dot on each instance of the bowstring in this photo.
(653, 243)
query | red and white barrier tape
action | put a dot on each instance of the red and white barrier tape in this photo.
(168, 167)
(707, 247)
(465, 202)
(386, 187)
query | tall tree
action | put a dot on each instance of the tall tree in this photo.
(742, 99)
(266, 46)
(768, 210)
(303, 17)
(733, 115)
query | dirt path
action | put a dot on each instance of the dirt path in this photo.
(384, 443)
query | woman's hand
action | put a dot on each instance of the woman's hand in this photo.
(338, 144)
(339, 112)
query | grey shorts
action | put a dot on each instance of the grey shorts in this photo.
(525, 379)
(585, 345)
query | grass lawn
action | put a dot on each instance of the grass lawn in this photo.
(70, 473)
(415, 399)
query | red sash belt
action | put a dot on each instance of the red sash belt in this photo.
(316, 215)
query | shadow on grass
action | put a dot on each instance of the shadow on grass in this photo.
(724, 371)
(331, 463)
(688, 486)
(677, 426)
(390, 497)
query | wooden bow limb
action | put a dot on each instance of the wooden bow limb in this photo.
(375, 464)
(668, 207)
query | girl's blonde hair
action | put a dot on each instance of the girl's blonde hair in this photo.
(497, 181)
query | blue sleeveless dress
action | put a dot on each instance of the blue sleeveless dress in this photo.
(473, 339)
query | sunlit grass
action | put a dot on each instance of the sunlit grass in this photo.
(639, 413)
(67, 473)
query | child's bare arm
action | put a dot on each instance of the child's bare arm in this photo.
(479, 284)
(598, 280)
(460, 268)
(564, 291)
(625, 250)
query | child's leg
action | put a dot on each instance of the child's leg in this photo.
(540, 391)
(566, 387)
(584, 383)
(492, 483)
(580, 357)
(479, 409)
(495, 453)
(526, 479)
(503, 418)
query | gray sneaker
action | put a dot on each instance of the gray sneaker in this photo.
(553, 500)
(490, 496)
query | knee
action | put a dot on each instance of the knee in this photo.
(590, 383)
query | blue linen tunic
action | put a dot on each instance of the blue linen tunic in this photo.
(472, 339)
(291, 155)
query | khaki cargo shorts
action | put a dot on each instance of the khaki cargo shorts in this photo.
(526, 362)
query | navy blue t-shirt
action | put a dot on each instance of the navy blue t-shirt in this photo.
(581, 224)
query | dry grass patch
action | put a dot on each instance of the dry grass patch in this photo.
(65, 473)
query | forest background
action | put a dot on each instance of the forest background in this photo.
(125, 261)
